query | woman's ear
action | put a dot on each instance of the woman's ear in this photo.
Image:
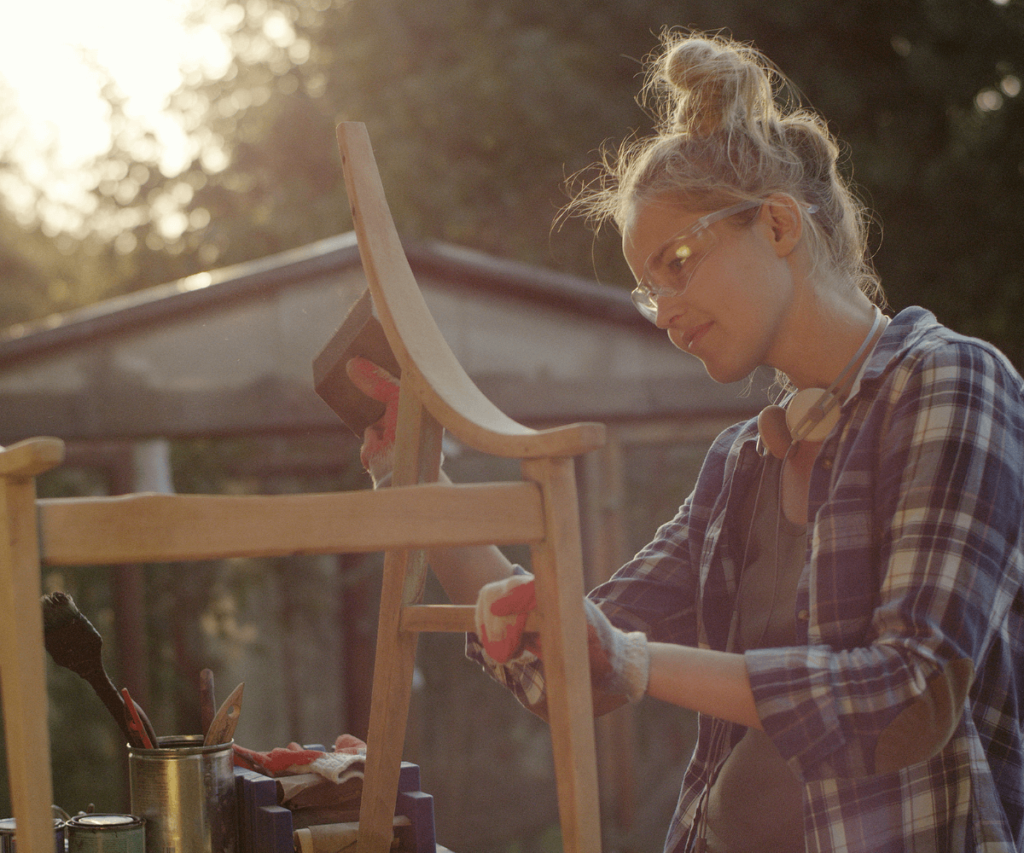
(785, 222)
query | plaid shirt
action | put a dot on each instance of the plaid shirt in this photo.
(914, 569)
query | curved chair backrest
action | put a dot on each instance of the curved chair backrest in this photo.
(436, 376)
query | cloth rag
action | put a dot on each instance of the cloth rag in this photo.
(349, 754)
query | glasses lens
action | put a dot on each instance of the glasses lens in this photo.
(645, 302)
(669, 270)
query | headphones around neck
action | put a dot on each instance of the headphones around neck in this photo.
(810, 414)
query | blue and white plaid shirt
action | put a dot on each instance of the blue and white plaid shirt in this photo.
(914, 571)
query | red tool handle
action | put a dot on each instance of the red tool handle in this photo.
(140, 737)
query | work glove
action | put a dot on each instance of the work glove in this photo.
(619, 660)
(378, 451)
(502, 609)
(349, 754)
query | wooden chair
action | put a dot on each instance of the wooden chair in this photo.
(415, 514)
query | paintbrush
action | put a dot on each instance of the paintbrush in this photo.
(75, 644)
(222, 728)
(207, 708)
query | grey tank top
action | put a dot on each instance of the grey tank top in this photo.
(755, 803)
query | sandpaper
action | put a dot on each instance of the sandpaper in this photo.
(360, 334)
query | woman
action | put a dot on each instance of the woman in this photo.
(840, 596)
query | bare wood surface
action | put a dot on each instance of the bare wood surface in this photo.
(31, 457)
(417, 457)
(442, 384)
(395, 661)
(557, 565)
(415, 514)
(604, 504)
(22, 662)
(144, 528)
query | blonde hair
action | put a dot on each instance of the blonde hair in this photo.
(722, 135)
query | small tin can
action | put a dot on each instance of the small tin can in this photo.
(106, 833)
(7, 842)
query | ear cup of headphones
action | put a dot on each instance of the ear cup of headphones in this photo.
(774, 432)
(812, 414)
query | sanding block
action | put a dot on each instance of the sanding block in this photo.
(360, 334)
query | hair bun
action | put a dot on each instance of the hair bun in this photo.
(711, 87)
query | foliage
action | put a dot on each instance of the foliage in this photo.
(33, 268)
(478, 111)
(926, 94)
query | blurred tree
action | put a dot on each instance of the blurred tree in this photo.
(478, 112)
(926, 94)
(58, 254)
(25, 290)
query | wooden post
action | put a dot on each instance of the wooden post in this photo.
(418, 449)
(22, 659)
(557, 566)
(608, 549)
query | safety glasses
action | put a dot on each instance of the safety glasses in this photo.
(668, 270)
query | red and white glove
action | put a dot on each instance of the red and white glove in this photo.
(349, 752)
(378, 451)
(619, 660)
(502, 608)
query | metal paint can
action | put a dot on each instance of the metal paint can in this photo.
(186, 793)
(8, 845)
(106, 833)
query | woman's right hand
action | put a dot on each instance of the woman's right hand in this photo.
(619, 660)
(502, 608)
(378, 451)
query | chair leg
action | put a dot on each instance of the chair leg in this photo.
(418, 452)
(23, 667)
(389, 709)
(557, 565)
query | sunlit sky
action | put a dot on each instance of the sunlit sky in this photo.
(144, 44)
